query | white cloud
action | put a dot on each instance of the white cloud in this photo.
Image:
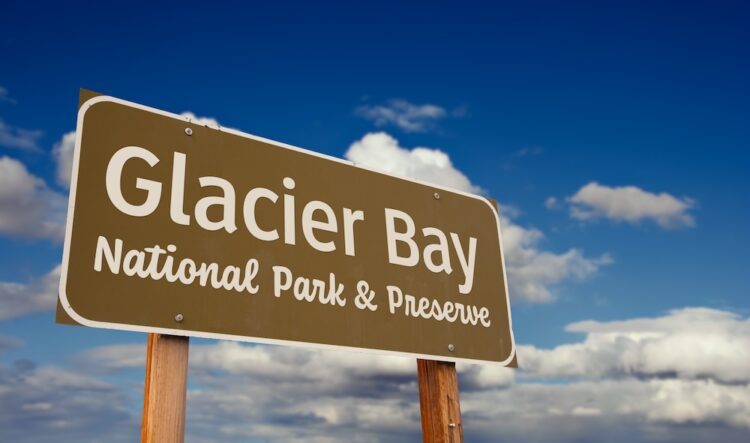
(407, 116)
(281, 364)
(279, 393)
(624, 410)
(292, 394)
(19, 299)
(689, 343)
(112, 358)
(63, 154)
(19, 138)
(631, 204)
(28, 208)
(551, 203)
(239, 391)
(380, 151)
(531, 270)
(684, 376)
(482, 377)
(678, 401)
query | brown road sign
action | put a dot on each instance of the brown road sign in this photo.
(179, 228)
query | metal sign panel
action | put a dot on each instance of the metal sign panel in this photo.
(184, 229)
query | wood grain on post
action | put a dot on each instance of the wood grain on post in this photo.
(165, 391)
(439, 402)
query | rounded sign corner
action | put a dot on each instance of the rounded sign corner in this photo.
(69, 308)
(98, 99)
(493, 205)
(511, 356)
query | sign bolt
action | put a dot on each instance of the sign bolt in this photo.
(451, 425)
(179, 317)
(436, 195)
(189, 131)
(451, 348)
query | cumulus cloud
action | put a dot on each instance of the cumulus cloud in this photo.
(62, 151)
(277, 393)
(360, 394)
(682, 376)
(686, 371)
(407, 116)
(689, 343)
(19, 138)
(19, 299)
(531, 271)
(632, 205)
(380, 151)
(660, 393)
(28, 208)
(624, 410)
(239, 391)
(293, 394)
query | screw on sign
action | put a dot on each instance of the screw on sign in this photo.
(177, 230)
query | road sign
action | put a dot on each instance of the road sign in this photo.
(179, 228)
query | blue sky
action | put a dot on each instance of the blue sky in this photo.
(614, 135)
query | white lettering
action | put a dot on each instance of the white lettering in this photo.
(395, 298)
(134, 263)
(289, 228)
(442, 247)
(349, 218)
(114, 179)
(309, 225)
(178, 190)
(113, 259)
(226, 201)
(306, 289)
(423, 307)
(405, 237)
(467, 262)
(251, 199)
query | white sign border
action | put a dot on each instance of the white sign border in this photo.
(211, 335)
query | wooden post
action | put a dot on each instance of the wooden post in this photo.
(166, 388)
(439, 403)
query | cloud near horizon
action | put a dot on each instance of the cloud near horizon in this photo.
(681, 376)
(57, 404)
(686, 343)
